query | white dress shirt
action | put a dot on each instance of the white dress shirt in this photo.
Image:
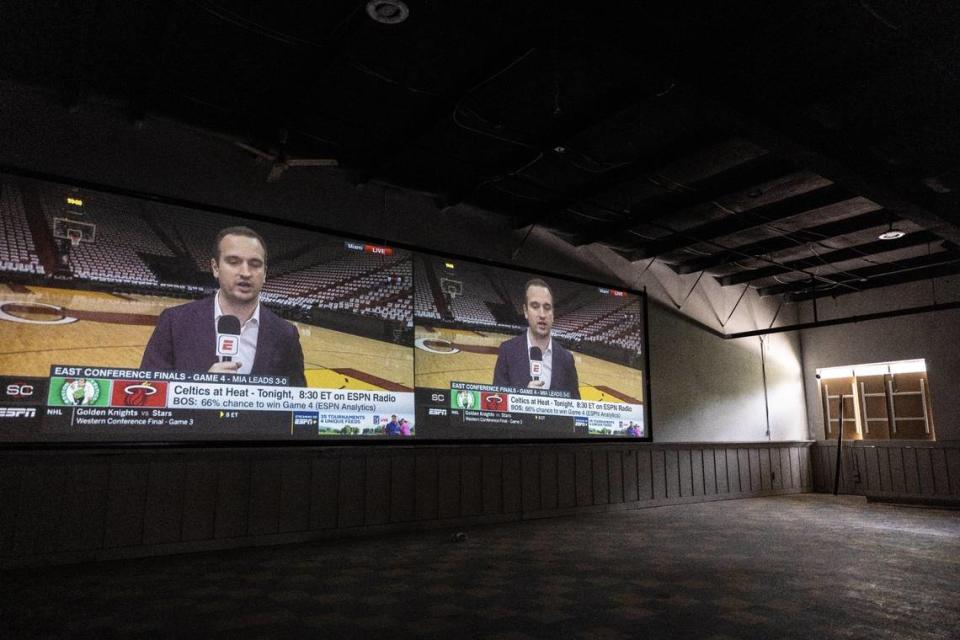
(547, 366)
(249, 331)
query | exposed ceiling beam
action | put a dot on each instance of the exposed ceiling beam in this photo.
(755, 171)
(842, 160)
(926, 273)
(782, 242)
(881, 275)
(831, 257)
(758, 216)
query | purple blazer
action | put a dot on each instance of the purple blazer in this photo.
(185, 339)
(513, 366)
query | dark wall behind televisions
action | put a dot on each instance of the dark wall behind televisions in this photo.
(74, 506)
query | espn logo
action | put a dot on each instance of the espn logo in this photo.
(536, 368)
(18, 412)
(434, 411)
(306, 419)
(228, 344)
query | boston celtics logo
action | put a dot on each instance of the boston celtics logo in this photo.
(79, 392)
(465, 399)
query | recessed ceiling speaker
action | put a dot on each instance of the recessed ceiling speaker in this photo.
(388, 11)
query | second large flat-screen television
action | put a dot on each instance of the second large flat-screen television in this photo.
(132, 319)
(503, 354)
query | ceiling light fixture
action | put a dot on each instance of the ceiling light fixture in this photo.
(892, 234)
(388, 11)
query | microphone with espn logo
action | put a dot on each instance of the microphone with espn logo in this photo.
(228, 338)
(536, 363)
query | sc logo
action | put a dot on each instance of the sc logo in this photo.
(19, 390)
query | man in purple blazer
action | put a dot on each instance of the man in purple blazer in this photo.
(185, 338)
(558, 369)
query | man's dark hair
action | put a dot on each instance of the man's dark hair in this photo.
(535, 282)
(238, 231)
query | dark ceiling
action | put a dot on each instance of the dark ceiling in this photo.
(766, 144)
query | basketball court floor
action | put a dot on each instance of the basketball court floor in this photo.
(43, 326)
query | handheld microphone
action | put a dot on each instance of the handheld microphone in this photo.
(228, 337)
(536, 363)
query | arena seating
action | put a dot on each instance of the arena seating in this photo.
(17, 251)
(191, 234)
(424, 303)
(362, 283)
(470, 307)
(611, 321)
(355, 282)
(301, 280)
(622, 328)
(577, 319)
(120, 236)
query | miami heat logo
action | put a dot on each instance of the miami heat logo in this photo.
(135, 395)
(139, 393)
(493, 401)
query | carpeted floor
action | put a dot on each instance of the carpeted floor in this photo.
(806, 566)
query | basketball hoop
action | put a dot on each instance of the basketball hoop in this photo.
(74, 236)
(451, 288)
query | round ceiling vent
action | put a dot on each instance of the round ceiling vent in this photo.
(388, 11)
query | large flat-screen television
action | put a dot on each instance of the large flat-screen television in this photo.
(503, 354)
(129, 319)
(111, 310)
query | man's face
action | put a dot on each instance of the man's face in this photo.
(538, 311)
(241, 268)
